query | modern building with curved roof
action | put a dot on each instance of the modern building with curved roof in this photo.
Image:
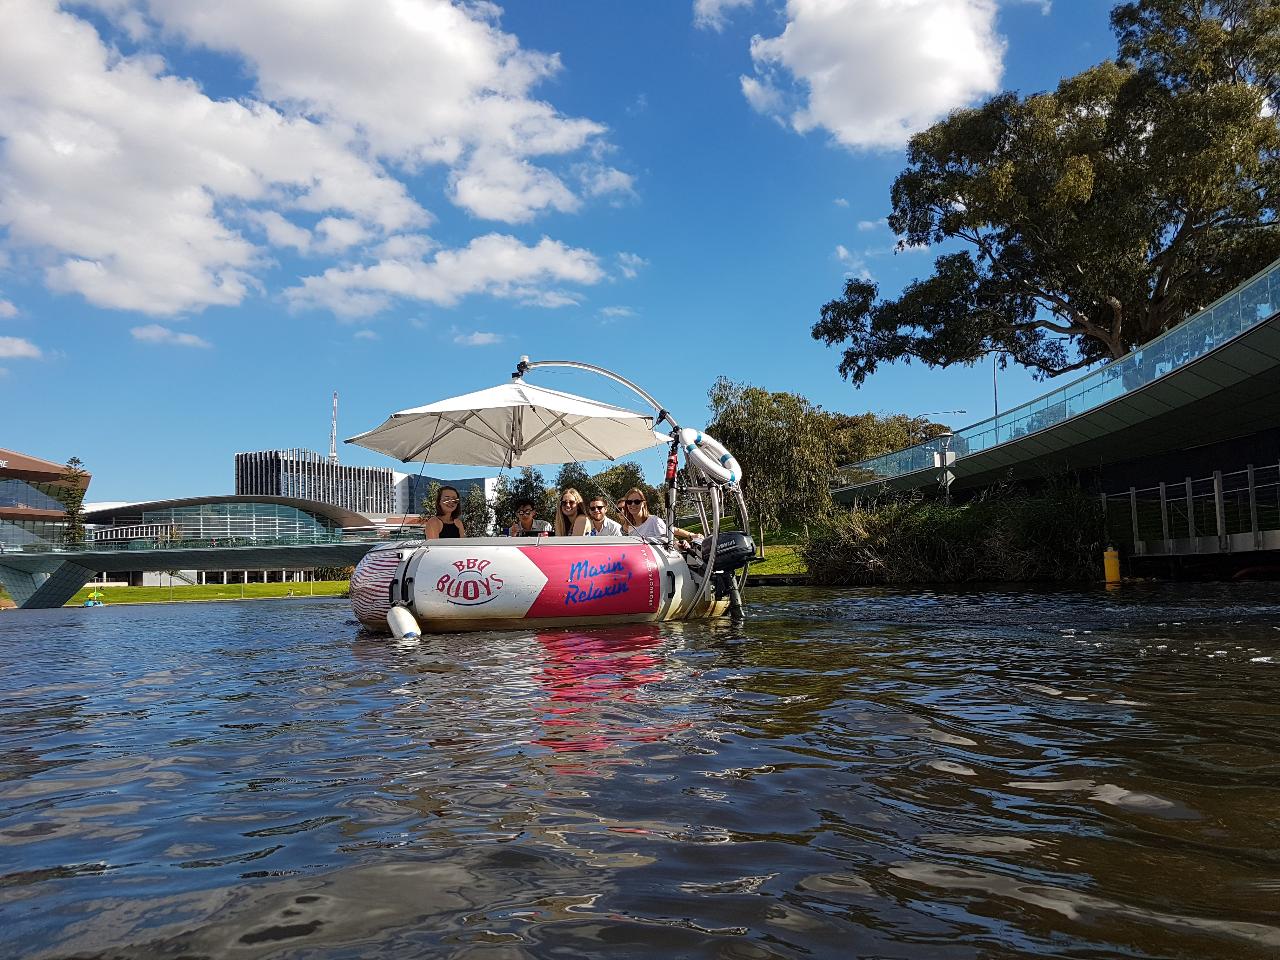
(220, 539)
(233, 516)
(31, 506)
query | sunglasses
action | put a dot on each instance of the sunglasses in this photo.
(525, 510)
(596, 506)
(633, 503)
(568, 503)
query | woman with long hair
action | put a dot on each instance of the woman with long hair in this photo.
(638, 522)
(447, 523)
(571, 518)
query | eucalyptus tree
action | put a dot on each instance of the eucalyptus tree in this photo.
(1093, 217)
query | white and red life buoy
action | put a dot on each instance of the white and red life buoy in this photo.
(710, 457)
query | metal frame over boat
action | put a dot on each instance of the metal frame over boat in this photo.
(487, 583)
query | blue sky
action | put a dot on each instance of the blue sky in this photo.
(212, 216)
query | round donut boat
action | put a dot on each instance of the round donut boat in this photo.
(412, 587)
(500, 583)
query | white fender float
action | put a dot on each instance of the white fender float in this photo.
(710, 456)
(403, 624)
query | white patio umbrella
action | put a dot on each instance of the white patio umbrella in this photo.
(512, 425)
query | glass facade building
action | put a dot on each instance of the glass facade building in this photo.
(31, 513)
(224, 518)
(307, 475)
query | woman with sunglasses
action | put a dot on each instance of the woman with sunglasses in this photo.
(447, 523)
(638, 522)
(599, 523)
(571, 518)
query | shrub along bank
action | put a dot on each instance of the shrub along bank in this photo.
(1006, 534)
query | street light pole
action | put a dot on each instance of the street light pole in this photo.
(945, 457)
(945, 476)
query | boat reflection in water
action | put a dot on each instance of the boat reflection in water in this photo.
(594, 683)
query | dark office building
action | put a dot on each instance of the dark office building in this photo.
(306, 475)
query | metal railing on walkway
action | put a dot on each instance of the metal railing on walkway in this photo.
(1249, 304)
(202, 543)
(1232, 512)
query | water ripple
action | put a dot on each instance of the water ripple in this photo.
(864, 772)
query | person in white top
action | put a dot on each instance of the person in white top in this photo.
(571, 518)
(599, 524)
(527, 524)
(638, 522)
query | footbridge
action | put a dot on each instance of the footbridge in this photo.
(48, 576)
(1211, 379)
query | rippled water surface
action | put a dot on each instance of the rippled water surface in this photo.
(847, 774)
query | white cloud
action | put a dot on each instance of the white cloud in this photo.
(155, 333)
(601, 181)
(616, 313)
(12, 348)
(853, 263)
(498, 186)
(630, 264)
(710, 14)
(477, 339)
(127, 176)
(494, 264)
(340, 233)
(425, 81)
(873, 72)
(404, 246)
(141, 192)
(865, 225)
(7, 310)
(281, 232)
(840, 202)
(365, 335)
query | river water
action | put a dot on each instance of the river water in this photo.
(857, 773)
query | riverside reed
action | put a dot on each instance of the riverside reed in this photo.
(1005, 534)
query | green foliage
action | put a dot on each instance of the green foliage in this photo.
(790, 449)
(477, 514)
(1096, 216)
(615, 481)
(530, 483)
(69, 490)
(321, 573)
(619, 478)
(1005, 535)
(573, 475)
(428, 508)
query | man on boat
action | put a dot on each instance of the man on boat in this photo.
(527, 525)
(600, 524)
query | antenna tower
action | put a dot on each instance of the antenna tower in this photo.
(333, 431)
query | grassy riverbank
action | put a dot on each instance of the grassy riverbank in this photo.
(1006, 535)
(781, 554)
(183, 593)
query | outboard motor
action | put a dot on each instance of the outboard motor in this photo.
(734, 550)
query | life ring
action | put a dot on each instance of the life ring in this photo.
(710, 456)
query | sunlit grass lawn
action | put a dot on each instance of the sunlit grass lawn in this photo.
(780, 558)
(212, 591)
(781, 549)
